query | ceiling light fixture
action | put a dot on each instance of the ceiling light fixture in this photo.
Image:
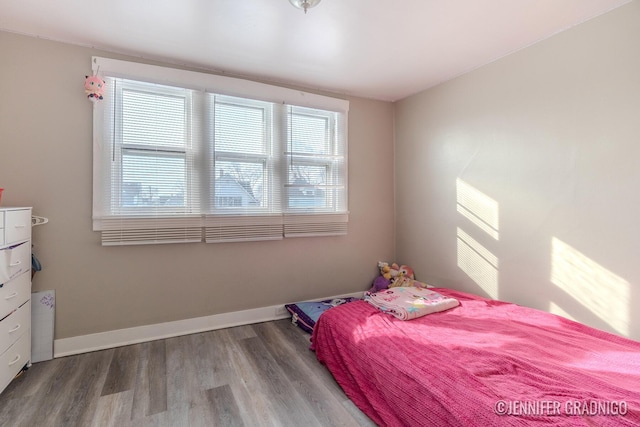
(304, 4)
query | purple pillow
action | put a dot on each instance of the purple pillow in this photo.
(379, 284)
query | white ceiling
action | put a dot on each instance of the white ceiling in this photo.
(382, 49)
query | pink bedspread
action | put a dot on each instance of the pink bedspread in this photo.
(464, 366)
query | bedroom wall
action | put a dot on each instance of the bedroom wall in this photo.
(519, 180)
(46, 161)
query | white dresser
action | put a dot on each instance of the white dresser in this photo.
(15, 292)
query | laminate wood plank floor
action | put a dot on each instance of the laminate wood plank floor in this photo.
(254, 375)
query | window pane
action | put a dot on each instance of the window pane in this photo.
(309, 134)
(239, 184)
(153, 119)
(153, 179)
(305, 190)
(305, 197)
(308, 174)
(239, 128)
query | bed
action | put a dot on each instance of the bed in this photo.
(482, 363)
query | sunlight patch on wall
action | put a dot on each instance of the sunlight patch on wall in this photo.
(602, 292)
(556, 309)
(478, 208)
(478, 263)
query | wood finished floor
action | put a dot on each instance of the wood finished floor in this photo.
(256, 375)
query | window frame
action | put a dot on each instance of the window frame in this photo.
(119, 147)
(266, 158)
(329, 160)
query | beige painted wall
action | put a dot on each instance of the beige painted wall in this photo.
(520, 179)
(46, 160)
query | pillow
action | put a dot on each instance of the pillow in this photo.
(379, 284)
(306, 314)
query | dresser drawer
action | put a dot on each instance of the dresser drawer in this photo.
(17, 225)
(14, 293)
(14, 261)
(14, 359)
(14, 326)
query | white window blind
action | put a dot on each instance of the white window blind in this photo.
(316, 178)
(182, 156)
(243, 156)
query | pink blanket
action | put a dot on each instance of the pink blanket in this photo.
(483, 363)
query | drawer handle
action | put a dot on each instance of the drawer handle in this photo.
(15, 360)
(15, 263)
(19, 226)
(13, 295)
(15, 329)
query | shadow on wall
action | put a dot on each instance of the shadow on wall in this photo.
(581, 289)
(478, 262)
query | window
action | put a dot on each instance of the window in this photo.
(153, 150)
(315, 161)
(182, 156)
(243, 157)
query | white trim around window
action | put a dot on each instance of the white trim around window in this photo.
(182, 156)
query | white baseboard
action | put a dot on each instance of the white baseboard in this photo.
(117, 338)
